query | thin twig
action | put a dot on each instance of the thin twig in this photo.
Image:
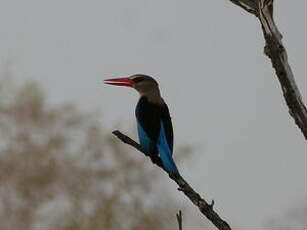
(248, 5)
(179, 219)
(204, 207)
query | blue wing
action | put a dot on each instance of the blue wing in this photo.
(145, 142)
(165, 151)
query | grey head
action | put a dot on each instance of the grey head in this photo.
(147, 86)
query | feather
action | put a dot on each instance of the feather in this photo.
(145, 142)
(166, 152)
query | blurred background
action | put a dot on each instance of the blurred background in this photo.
(60, 167)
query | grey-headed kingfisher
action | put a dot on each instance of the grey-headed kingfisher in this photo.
(154, 123)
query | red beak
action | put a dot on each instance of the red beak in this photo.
(125, 81)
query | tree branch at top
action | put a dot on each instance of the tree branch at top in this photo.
(275, 50)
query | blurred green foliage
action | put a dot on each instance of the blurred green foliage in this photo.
(59, 169)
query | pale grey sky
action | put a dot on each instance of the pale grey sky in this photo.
(208, 57)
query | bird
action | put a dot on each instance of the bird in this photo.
(154, 124)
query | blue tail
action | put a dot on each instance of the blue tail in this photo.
(166, 152)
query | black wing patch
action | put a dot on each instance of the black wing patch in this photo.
(150, 115)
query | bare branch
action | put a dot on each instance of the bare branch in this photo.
(179, 219)
(204, 207)
(275, 50)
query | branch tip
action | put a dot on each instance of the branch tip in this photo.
(179, 219)
(212, 204)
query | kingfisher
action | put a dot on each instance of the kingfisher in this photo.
(154, 124)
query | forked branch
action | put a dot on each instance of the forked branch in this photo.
(274, 49)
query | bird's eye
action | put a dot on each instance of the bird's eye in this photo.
(138, 79)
